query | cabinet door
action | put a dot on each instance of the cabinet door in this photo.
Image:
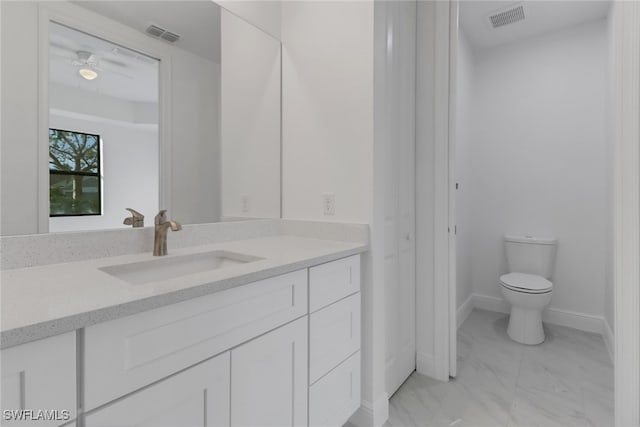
(39, 376)
(269, 379)
(196, 397)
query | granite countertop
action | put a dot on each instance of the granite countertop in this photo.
(47, 300)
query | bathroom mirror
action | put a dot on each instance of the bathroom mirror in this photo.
(146, 105)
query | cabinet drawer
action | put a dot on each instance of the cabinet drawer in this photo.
(334, 335)
(332, 281)
(125, 354)
(196, 397)
(336, 396)
(41, 375)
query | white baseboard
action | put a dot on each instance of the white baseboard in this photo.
(485, 302)
(609, 340)
(372, 415)
(464, 311)
(571, 319)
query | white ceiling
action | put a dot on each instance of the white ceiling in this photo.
(196, 21)
(541, 16)
(122, 73)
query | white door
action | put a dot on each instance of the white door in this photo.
(269, 385)
(197, 397)
(400, 194)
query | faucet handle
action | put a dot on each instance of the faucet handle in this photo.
(161, 217)
(136, 219)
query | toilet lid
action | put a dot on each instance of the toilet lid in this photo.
(530, 283)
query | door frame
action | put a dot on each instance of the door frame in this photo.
(454, 10)
(626, 70)
(444, 314)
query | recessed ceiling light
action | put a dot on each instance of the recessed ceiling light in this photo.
(88, 73)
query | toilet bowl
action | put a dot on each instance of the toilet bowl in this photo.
(528, 295)
(526, 287)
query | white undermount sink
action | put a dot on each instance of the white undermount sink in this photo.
(170, 267)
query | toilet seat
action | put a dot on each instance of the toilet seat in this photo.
(526, 283)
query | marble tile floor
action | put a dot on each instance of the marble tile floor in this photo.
(565, 381)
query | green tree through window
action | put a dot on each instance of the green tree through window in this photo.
(74, 173)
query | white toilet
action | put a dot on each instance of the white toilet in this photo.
(527, 286)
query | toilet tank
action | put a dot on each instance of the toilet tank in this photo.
(530, 254)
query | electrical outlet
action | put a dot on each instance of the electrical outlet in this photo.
(329, 203)
(245, 203)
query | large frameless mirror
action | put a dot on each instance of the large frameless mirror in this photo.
(147, 105)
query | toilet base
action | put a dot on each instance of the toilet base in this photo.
(525, 326)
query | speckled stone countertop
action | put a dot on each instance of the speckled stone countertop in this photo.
(47, 300)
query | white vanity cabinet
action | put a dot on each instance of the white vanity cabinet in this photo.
(40, 375)
(284, 351)
(196, 397)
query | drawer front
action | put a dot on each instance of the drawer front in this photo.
(336, 397)
(333, 281)
(40, 375)
(196, 397)
(334, 335)
(126, 354)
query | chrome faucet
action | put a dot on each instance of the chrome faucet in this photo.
(136, 219)
(161, 228)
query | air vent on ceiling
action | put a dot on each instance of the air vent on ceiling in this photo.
(170, 37)
(158, 32)
(155, 31)
(507, 16)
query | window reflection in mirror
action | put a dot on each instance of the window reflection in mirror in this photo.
(104, 142)
(74, 174)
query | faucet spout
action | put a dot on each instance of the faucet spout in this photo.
(162, 227)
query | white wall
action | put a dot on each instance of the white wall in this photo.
(327, 109)
(250, 126)
(463, 164)
(67, 98)
(539, 153)
(129, 159)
